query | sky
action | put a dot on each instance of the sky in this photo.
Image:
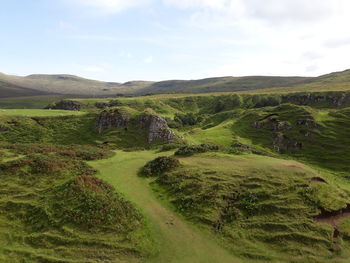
(123, 40)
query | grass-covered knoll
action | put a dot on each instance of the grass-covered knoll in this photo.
(38, 112)
(313, 127)
(58, 130)
(262, 207)
(30, 102)
(176, 240)
(319, 137)
(55, 210)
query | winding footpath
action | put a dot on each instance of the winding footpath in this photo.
(179, 242)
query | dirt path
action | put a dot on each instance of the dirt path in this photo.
(179, 242)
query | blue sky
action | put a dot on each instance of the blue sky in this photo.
(122, 40)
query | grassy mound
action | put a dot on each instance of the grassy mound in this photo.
(90, 202)
(55, 210)
(257, 203)
(159, 165)
(193, 149)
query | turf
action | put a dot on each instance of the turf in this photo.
(177, 240)
(274, 165)
(257, 203)
(55, 210)
(38, 112)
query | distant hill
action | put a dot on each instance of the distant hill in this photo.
(224, 84)
(65, 85)
(36, 85)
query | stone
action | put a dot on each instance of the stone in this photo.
(308, 123)
(65, 105)
(156, 127)
(282, 143)
(3, 128)
(115, 118)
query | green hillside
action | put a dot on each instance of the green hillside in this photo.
(73, 86)
(217, 177)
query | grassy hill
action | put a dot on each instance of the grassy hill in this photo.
(73, 86)
(224, 84)
(245, 177)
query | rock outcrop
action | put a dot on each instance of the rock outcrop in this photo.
(3, 128)
(282, 143)
(156, 127)
(65, 105)
(338, 99)
(308, 123)
(273, 123)
(112, 103)
(115, 118)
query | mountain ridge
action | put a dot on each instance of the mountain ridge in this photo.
(66, 84)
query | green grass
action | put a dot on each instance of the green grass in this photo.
(30, 102)
(215, 207)
(177, 240)
(38, 112)
(255, 204)
(54, 210)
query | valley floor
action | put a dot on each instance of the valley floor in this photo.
(177, 240)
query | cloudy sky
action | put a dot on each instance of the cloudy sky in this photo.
(121, 40)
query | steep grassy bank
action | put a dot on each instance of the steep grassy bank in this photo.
(53, 209)
(256, 204)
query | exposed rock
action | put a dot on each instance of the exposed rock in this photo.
(272, 122)
(3, 128)
(101, 105)
(111, 119)
(305, 133)
(112, 103)
(65, 105)
(157, 128)
(308, 122)
(281, 126)
(338, 100)
(282, 143)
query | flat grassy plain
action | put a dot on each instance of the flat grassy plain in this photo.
(29, 102)
(39, 113)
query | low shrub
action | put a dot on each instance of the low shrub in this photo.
(193, 149)
(159, 165)
(240, 148)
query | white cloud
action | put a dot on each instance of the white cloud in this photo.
(148, 60)
(273, 37)
(110, 6)
(67, 26)
(270, 10)
(213, 4)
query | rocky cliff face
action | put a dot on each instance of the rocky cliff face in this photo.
(338, 99)
(65, 105)
(272, 122)
(157, 128)
(282, 143)
(283, 140)
(115, 118)
(112, 103)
